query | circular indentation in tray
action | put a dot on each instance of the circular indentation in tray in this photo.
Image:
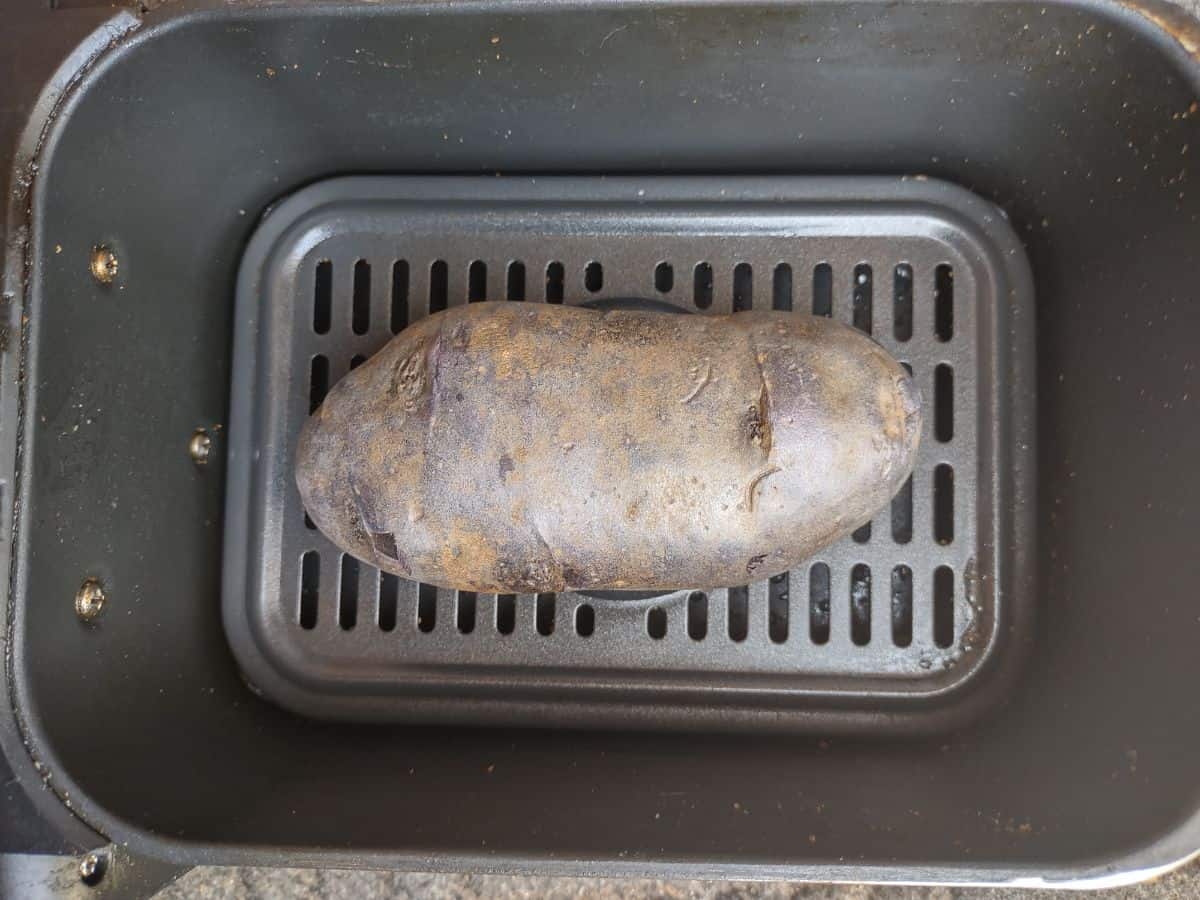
(905, 607)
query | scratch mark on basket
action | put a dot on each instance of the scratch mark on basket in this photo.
(604, 40)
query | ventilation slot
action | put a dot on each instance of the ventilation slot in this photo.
(943, 504)
(467, 603)
(781, 288)
(476, 281)
(357, 360)
(656, 623)
(702, 285)
(506, 613)
(862, 534)
(399, 296)
(902, 582)
(818, 603)
(860, 605)
(943, 302)
(544, 615)
(360, 305)
(593, 277)
(902, 299)
(943, 606)
(822, 298)
(664, 278)
(323, 297)
(309, 523)
(318, 382)
(777, 607)
(348, 593)
(739, 613)
(389, 597)
(902, 506)
(585, 620)
(310, 590)
(426, 608)
(514, 288)
(902, 513)
(943, 403)
(743, 287)
(555, 274)
(697, 615)
(862, 297)
(439, 285)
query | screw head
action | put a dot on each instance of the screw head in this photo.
(104, 265)
(200, 446)
(89, 599)
(91, 868)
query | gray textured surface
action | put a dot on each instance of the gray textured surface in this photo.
(311, 884)
(211, 883)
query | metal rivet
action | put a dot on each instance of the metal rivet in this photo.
(200, 446)
(91, 868)
(104, 265)
(89, 599)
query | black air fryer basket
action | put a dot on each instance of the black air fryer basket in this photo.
(217, 211)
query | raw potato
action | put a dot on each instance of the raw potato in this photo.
(521, 447)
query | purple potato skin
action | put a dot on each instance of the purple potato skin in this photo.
(520, 447)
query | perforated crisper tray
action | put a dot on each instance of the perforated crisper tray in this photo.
(886, 629)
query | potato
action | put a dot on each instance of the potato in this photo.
(521, 447)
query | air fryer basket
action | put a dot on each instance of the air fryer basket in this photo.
(172, 135)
